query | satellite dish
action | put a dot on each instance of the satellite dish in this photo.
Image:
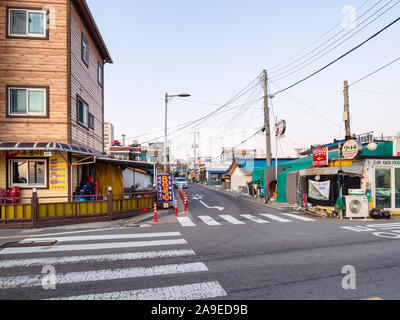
(372, 146)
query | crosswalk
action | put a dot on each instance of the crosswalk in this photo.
(87, 265)
(242, 219)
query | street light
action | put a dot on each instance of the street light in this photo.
(167, 98)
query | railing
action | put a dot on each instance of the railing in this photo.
(50, 211)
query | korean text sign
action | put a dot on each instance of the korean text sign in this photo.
(320, 157)
(164, 188)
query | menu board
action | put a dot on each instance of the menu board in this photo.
(58, 173)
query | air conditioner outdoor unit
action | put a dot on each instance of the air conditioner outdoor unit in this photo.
(357, 207)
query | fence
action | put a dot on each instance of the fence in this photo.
(54, 211)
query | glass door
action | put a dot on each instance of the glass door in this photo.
(383, 188)
(397, 187)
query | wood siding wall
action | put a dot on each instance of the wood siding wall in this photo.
(84, 83)
(35, 62)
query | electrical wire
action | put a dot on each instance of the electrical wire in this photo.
(306, 63)
(339, 58)
(331, 38)
(374, 72)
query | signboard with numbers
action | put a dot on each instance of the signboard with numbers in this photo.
(165, 193)
(320, 157)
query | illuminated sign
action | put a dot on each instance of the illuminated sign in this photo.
(164, 188)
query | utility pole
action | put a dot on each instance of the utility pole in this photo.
(346, 116)
(267, 124)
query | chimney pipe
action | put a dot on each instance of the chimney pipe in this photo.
(123, 140)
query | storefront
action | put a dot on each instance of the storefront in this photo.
(59, 171)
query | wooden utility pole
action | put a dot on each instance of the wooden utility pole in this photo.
(346, 116)
(267, 124)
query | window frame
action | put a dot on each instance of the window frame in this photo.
(91, 116)
(84, 38)
(77, 112)
(27, 114)
(100, 80)
(27, 35)
(27, 185)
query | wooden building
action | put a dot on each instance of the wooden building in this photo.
(51, 94)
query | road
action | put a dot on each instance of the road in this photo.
(226, 248)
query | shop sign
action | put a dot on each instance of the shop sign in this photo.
(58, 174)
(352, 149)
(164, 188)
(26, 154)
(320, 157)
(386, 163)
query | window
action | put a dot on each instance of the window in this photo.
(27, 102)
(397, 187)
(100, 74)
(27, 23)
(91, 121)
(28, 173)
(83, 113)
(85, 50)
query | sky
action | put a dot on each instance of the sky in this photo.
(214, 49)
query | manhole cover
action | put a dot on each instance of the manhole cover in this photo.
(28, 244)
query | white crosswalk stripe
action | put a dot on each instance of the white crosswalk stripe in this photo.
(101, 275)
(86, 258)
(297, 217)
(254, 218)
(186, 222)
(95, 246)
(194, 291)
(96, 258)
(210, 221)
(273, 217)
(231, 219)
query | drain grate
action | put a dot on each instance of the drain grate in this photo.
(29, 244)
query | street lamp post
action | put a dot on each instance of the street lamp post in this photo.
(167, 98)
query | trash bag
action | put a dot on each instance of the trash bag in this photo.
(387, 215)
(376, 214)
(339, 205)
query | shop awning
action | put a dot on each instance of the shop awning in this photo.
(127, 163)
(352, 170)
(47, 146)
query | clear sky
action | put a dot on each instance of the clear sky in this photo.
(213, 49)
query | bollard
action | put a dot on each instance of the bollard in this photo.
(186, 202)
(155, 212)
(176, 207)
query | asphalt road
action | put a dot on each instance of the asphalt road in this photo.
(226, 248)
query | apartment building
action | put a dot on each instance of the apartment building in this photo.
(108, 136)
(51, 94)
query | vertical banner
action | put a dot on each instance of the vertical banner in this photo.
(165, 193)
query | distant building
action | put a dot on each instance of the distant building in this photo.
(108, 136)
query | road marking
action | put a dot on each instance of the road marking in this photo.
(298, 217)
(96, 246)
(108, 237)
(69, 232)
(253, 218)
(102, 275)
(193, 291)
(186, 222)
(215, 207)
(210, 221)
(272, 217)
(376, 298)
(96, 258)
(231, 219)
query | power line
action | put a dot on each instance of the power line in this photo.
(378, 92)
(338, 33)
(304, 64)
(339, 58)
(374, 72)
